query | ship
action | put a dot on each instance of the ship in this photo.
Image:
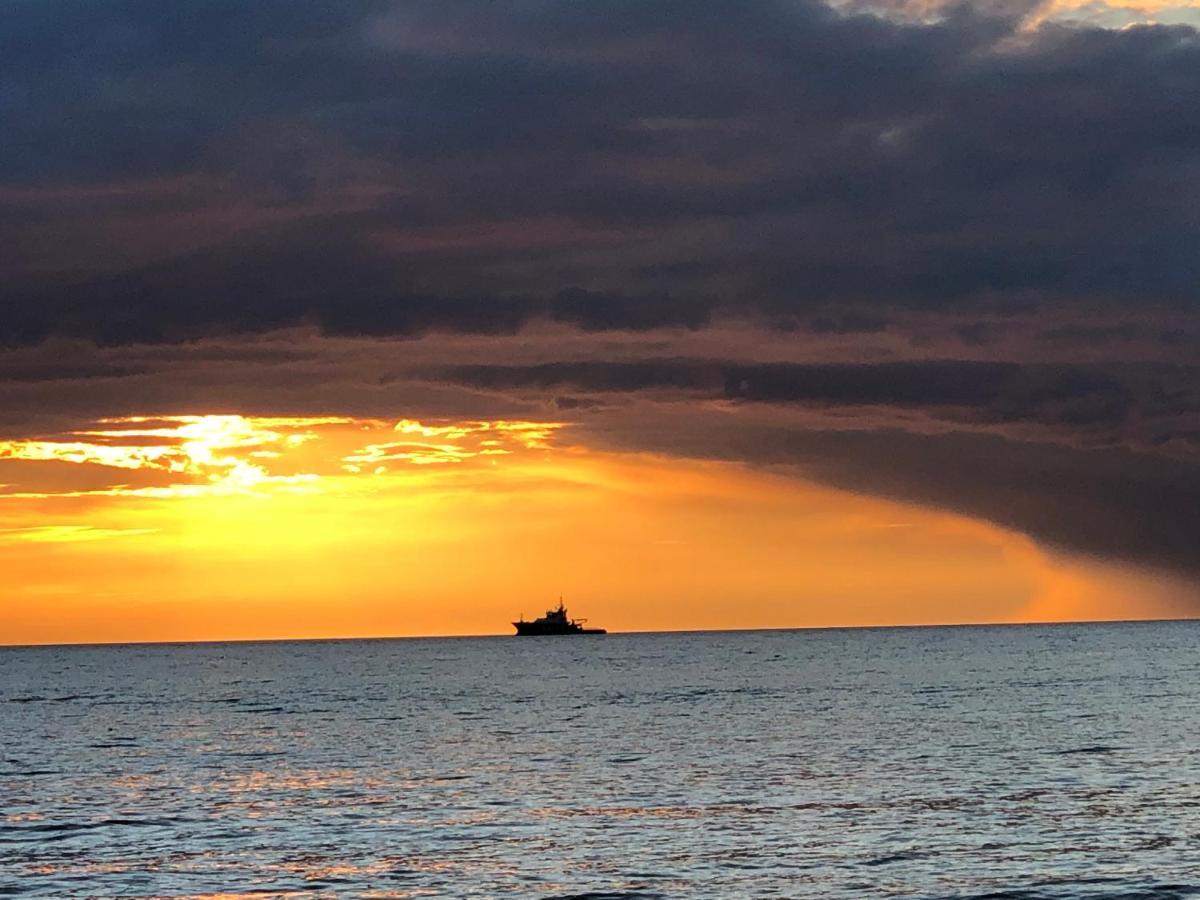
(555, 621)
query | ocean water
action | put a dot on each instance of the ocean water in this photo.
(1002, 762)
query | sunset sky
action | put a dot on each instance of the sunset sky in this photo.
(405, 318)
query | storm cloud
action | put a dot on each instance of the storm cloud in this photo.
(1114, 503)
(168, 172)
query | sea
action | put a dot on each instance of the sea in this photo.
(1014, 762)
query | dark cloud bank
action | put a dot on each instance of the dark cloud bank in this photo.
(170, 173)
(383, 167)
(1041, 449)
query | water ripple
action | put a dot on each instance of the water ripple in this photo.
(1054, 763)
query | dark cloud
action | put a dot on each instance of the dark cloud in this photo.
(323, 280)
(1092, 334)
(1110, 503)
(849, 322)
(1084, 404)
(1069, 455)
(629, 164)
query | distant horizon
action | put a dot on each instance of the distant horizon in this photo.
(610, 633)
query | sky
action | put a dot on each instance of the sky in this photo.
(406, 318)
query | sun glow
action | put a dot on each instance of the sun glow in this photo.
(200, 449)
(214, 527)
(231, 453)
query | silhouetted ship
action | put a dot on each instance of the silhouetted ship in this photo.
(555, 621)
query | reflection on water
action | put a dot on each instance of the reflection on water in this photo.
(1033, 762)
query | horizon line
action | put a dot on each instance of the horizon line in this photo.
(446, 637)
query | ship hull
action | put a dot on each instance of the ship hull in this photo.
(537, 629)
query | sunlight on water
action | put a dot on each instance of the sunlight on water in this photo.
(1021, 762)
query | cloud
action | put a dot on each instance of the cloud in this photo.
(1090, 461)
(390, 168)
(188, 456)
(65, 534)
(1086, 405)
(1113, 503)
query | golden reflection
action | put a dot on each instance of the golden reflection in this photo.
(271, 782)
(15, 818)
(83, 869)
(318, 868)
